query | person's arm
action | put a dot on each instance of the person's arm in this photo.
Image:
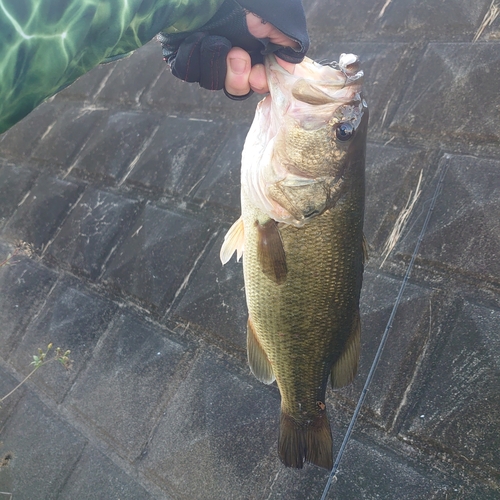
(45, 45)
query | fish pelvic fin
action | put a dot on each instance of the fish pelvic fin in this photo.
(345, 368)
(257, 359)
(305, 442)
(270, 251)
(233, 242)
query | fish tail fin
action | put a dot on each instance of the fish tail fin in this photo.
(299, 442)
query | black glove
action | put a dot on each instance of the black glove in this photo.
(201, 56)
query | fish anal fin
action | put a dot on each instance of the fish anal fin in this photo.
(305, 442)
(345, 368)
(257, 358)
(270, 251)
(233, 242)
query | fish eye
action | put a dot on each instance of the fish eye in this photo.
(344, 131)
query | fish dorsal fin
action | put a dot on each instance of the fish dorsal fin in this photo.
(233, 242)
(309, 93)
(270, 251)
(257, 358)
(345, 368)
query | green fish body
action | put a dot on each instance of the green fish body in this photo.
(301, 236)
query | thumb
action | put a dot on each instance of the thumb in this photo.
(238, 72)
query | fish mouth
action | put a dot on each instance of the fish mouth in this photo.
(316, 94)
(317, 84)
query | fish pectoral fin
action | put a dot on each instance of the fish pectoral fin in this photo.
(270, 251)
(257, 358)
(233, 242)
(345, 368)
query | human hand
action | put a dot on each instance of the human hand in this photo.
(227, 52)
(241, 76)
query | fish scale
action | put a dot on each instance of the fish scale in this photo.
(314, 306)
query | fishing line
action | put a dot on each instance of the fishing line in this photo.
(333, 474)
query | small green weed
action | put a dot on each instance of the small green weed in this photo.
(43, 358)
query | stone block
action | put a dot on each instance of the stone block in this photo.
(178, 156)
(215, 436)
(132, 75)
(113, 145)
(404, 348)
(63, 138)
(448, 20)
(457, 406)
(475, 490)
(24, 286)
(155, 259)
(44, 450)
(15, 182)
(215, 298)
(135, 369)
(382, 20)
(345, 21)
(367, 471)
(20, 140)
(42, 212)
(86, 87)
(219, 435)
(373, 472)
(95, 226)
(70, 319)
(462, 236)
(96, 477)
(221, 185)
(7, 384)
(392, 176)
(446, 99)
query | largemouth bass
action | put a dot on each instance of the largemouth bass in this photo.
(301, 237)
